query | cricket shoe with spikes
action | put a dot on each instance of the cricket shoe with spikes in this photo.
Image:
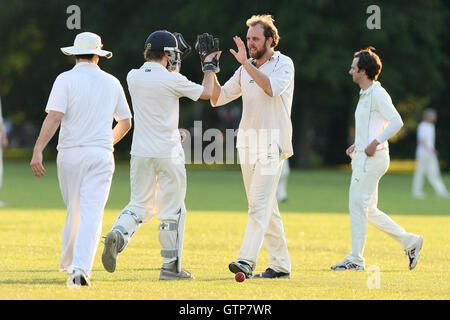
(241, 266)
(113, 242)
(347, 265)
(414, 253)
(272, 274)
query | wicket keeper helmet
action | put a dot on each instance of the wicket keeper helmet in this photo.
(163, 40)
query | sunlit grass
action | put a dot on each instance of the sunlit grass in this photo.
(315, 219)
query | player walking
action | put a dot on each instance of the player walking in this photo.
(376, 121)
(157, 173)
(427, 163)
(266, 84)
(84, 100)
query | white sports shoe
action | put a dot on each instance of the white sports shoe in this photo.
(347, 265)
(78, 278)
(414, 253)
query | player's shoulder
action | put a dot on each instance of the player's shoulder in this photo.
(64, 77)
(284, 59)
(109, 77)
(178, 77)
(425, 125)
(379, 92)
(132, 73)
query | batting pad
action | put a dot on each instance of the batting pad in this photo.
(127, 224)
(171, 238)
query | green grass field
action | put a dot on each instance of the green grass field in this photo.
(316, 223)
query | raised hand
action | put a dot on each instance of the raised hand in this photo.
(208, 48)
(241, 54)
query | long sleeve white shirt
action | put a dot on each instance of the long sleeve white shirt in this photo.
(384, 119)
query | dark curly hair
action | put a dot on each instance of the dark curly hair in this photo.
(370, 62)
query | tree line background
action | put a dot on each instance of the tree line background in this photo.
(319, 35)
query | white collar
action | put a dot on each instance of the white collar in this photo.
(274, 57)
(153, 64)
(87, 64)
(369, 89)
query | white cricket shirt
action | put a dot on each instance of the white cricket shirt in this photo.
(155, 94)
(265, 120)
(90, 99)
(376, 117)
(425, 133)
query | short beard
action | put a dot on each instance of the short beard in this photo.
(259, 53)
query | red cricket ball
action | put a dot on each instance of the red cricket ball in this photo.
(240, 276)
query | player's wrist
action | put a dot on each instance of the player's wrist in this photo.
(247, 63)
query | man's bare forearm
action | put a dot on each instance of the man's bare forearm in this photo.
(260, 78)
(121, 129)
(216, 91)
(48, 130)
(208, 83)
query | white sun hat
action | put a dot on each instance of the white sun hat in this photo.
(87, 43)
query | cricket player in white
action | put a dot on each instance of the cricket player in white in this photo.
(157, 173)
(3, 145)
(426, 158)
(376, 120)
(84, 101)
(266, 84)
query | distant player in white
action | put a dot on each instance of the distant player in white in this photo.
(157, 173)
(84, 101)
(427, 158)
(376, 121)
(3, 145)
(264, 141)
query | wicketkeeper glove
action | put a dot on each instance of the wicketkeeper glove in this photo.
(183, 46)
(208, 49)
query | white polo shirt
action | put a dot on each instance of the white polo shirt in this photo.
(90, 99)
(384, 121)
(155, 94)
(425, 133)
(265, 120)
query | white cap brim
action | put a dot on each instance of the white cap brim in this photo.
(72, 51)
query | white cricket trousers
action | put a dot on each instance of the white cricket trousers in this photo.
(158, 187)
(427, 165)
(85, 175)
(363, 201)
(261, 174)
